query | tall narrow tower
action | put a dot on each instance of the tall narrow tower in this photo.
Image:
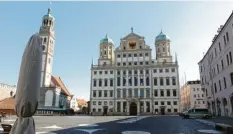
(163, 48)
(47, 36)
(106, 51)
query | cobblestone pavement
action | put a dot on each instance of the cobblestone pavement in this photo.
(121, 125)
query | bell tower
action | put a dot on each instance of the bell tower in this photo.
(48, 39)
(163, 48)
(106, 56)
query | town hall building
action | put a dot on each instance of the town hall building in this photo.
(128, 81)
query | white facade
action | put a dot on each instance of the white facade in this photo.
(74, 104)
(216, 71)
(192, 95)
(128, 81)
(7, 91)
(47, 36)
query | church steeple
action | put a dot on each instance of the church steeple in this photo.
(47, 36)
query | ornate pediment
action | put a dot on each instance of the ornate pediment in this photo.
(132, 36)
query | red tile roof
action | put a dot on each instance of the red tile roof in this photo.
(8, 103)
(57, 82)
(82, 102)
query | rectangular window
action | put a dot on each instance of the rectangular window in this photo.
(224, 37)
(94, 83)
(111, 82)
(227, 59)
(160, 70)
(215, 51)
(161, 92)
(231, 75)
(174, 92)
(118, 106)
(155, 70)
(168, 92)
(219, 47)
(147, 93)
(222, 64)
(141, 93)
(155, 92)
(135, 93)
(111, 93)
(220, 87)
(167, 81)
(106, 82)
(118, 81)
(95, 72)
(173, 80)
(124, 93)
(227, 36)
(230, 57)
(225, 83)
(161, 81)
(130, 93)
(118, 93)
(105, 93)
(100, 82)
(173, 70)
(155, 81)
(94, 93)
(215, 87)
(100, 93)
(217, 68)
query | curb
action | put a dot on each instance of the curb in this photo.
(224, 127)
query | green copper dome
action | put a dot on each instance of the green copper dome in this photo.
(162, 36)
(106, 40)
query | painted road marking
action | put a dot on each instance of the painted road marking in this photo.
(87, 125)
(53, 126)
(45, 133)
(210, 131)
(90, 131)
(133, 120)
(135, 132)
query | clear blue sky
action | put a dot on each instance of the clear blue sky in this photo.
(81, 25)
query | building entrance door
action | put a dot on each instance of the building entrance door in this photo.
(162, 110)
(133, 109)
(105, 110)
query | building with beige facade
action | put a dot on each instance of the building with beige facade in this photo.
(127, 80)
(7, 91)
(192, 95)
(216, 71)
